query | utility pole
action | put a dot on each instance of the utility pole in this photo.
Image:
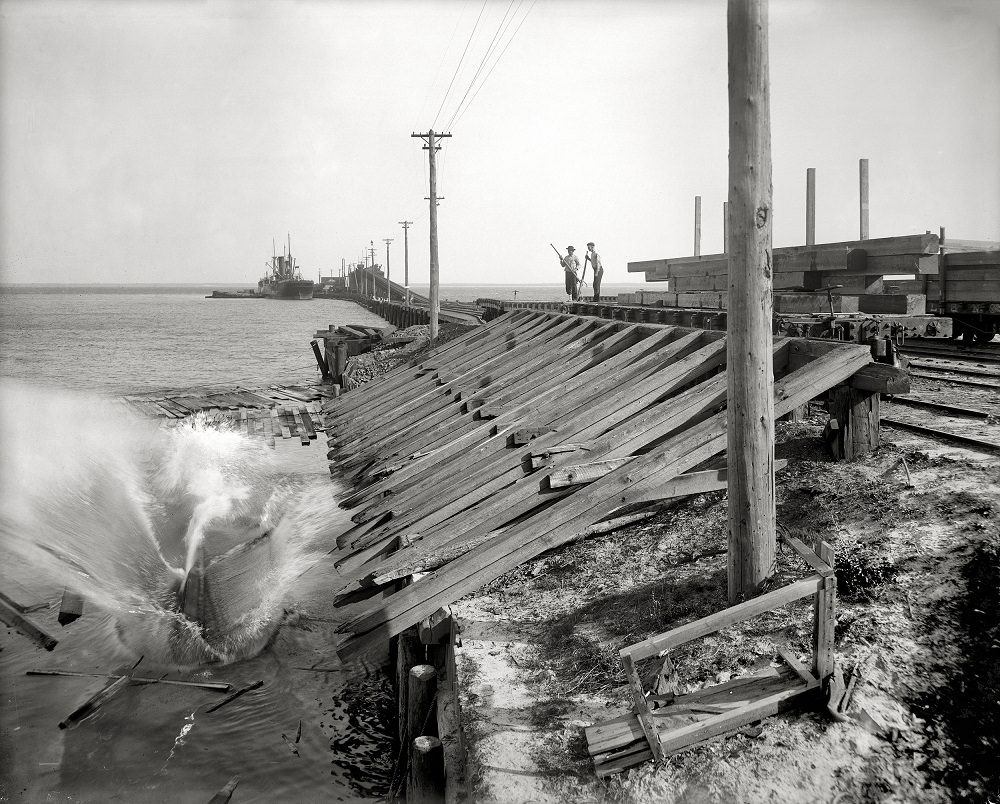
(431, 146)
(749, 369)
(406, 258)
(371, 254)
(388, 280)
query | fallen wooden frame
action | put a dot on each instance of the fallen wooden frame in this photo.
(683, 721)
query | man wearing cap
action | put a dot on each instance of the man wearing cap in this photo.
(571, 265)
(595, 261)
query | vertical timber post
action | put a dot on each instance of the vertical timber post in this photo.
(388, 276)
(406, 259)
(435, 294)
(863, 181)
(697, 226)
(750, 409)
(725, 227)
(810, 206)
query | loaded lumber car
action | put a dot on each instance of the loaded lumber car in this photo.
(854, 285)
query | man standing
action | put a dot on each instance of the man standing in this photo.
(571, 265)
(595, 260)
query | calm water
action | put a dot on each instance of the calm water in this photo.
(118, 342)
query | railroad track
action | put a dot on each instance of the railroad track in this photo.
(988, 353)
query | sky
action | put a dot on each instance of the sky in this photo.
(161, 141)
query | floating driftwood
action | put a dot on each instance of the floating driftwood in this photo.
(15, 619)
(235, 695)
(216, 686)
(226, 793)
(70, 608)
(98, 699)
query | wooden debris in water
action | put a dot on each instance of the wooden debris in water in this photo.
(226, 792)
(71, 608)
(230, 698)
(98, 699)
(15, 619)
(215, 686)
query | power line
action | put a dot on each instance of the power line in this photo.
(496, 62)
(459, 67)
(501, 29)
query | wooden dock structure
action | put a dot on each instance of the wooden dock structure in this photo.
(521, 434)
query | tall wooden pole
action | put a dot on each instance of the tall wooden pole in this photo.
(406, 259)
(810, 206)
(435, 301)
(435, 294)
(697, 226)
(725, 227)
(863, 181)
(750, 409)
(388, 276)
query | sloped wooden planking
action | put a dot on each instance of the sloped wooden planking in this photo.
(503, 492)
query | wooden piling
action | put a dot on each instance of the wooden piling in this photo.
(425, 783)
(750, 375)
(420, 719)
(854, 415)
(409, 654)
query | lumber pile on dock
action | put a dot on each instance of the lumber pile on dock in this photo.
(517, 437)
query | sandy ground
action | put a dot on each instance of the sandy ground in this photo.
(918, 565)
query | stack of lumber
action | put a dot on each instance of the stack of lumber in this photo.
(970, 278)
(857, 266)
(517, 437)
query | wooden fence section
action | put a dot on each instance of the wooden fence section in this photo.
(663, 724)
(452, 461)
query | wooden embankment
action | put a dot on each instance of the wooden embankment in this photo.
(518, 436)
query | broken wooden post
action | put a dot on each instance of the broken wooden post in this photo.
(419, 710)
(750, 375)
(425, 783)
(71, 608)
(824, 611)
(324, 369)
(853, 429)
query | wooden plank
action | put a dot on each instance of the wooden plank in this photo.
(816, 564)
(715, 622)
(307, 422)
(678, 739)
(901, 304)
(821, 256)
(881, 378)
(26, 626)
(641, 707)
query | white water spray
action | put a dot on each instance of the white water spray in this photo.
(119, 509)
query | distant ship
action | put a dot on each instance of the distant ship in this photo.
(283, 279)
